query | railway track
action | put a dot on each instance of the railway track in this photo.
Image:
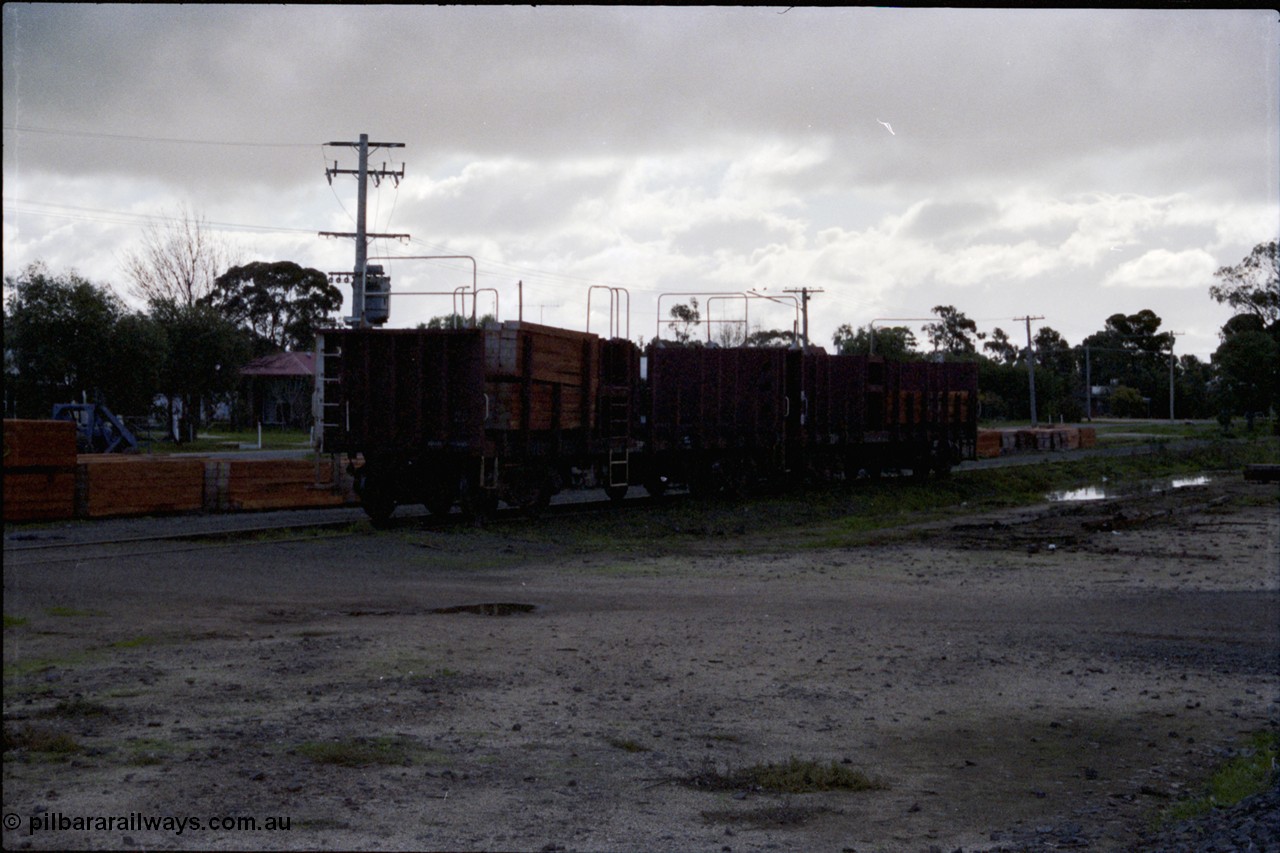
(28, 548)
(25, 547)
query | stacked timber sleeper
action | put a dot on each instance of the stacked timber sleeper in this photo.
(45, 480)
(39, 470)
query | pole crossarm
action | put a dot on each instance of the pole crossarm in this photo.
(366, 236)
(363, 175)
(1031, 366)
(806, 294)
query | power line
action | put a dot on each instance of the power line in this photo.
(125, 137)
(94, 214)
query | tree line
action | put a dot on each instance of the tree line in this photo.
(208, 314)
(67, 339)
(1129, 359)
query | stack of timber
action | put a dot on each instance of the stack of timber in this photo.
(544, 372)
(251, 484)
(1042, 439)
(39, 470)
(44, 480)
(112, 485)
(992, 443)
(989, 443)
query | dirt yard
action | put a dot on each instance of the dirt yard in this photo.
(1035, 679)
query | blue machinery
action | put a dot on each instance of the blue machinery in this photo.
(97, 429)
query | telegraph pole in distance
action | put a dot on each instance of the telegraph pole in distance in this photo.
(1172, 341)
(804, 308)
(1031, 368)
(362, 238)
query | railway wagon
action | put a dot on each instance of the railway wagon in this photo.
(718, 418)
(868, 414)
(508, 412)
(723, 419)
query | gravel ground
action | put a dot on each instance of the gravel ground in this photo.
(1039, 679)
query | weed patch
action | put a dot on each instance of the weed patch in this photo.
(133, 642)
(35, 739)
(78, 708)
(626, 744)
(791, 777)
(14, 621)
(147, 752)
(1249, 773)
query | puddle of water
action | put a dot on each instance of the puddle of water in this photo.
(1183, 482)
(1088, 493)
(1098, 493)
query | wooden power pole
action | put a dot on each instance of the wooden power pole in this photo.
(361, 236)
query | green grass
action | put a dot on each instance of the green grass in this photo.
(847, 514)
(14, 621)
(1249, 773)
(134, 642)
(147, 752)
(218, 440)
(30, 666)
(1177, 428)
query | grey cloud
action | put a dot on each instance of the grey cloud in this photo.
(986, 105)
(969, 92)
(734, 235)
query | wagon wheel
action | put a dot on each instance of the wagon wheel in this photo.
(534, 499)
(529, 489)
(942, 467)
(920, 468)
(375, 497)
(656, 486)
(440, 496)
(478, 503)
(379, 505)
(945, 456)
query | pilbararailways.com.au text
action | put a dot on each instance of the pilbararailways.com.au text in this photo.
(138, 822)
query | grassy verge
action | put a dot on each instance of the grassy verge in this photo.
(1251, 772)
(837, 515)
(1121, 432)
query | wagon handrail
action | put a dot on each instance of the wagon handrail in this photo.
(475, 274)
(746, 313)
(795, 302)
(658, 327)
(615, 308)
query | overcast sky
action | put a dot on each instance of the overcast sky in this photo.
(1012, 162)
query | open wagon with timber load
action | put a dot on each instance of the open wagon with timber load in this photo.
(509, 412)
